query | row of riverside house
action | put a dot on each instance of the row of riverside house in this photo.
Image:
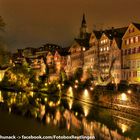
(113, 52)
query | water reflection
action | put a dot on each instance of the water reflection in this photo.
(78, 118)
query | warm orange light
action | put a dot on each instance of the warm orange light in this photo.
(123, 97)
(129, 91)
(91, 88)
(76, 86)
(86, 93)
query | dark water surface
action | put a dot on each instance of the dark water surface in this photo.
(40, 114)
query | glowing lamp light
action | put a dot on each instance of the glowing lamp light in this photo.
(86, 93)
(76, 113)
(1, 98)
(50, 103)
(84, 49)
(58, 102)
(76, 86)
(45, 99)
(129, 91)
(76, 81)
(123, 97)
(31, 93)
(48, 119)
(91, 88)
(123, 127)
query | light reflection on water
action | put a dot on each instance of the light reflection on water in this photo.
(72, 115)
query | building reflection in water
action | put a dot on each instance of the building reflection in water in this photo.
(85, 109)
(78, 118)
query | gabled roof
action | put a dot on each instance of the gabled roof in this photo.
(64, 51)
(98, 34)
(118, 32)
(118, 41)
(111, 33)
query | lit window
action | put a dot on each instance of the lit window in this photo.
(136, 39)
(131, 40)
(138, 74)
(104, 48)
(107, 48)
(138, 63)
(127, 42)
(101, 49)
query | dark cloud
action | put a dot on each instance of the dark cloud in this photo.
(35, 22)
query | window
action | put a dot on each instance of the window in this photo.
(138, 50)
(101, 49)
(136, 39)
(129, 73)
(138, 74)
(131, 30)
(107, 48)
(129, 51)
(131, 40)
(134, 73)
(134, 50)
(127, 42)
(125, 52)
(138, 63)
(133, 64)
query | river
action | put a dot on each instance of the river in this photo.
(40, 114)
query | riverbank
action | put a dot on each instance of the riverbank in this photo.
(120, 101)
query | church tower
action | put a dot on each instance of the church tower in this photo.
(83, 28)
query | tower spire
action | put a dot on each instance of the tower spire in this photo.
(83, 20)
(83, 28)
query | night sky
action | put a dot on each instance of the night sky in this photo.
(32, 23)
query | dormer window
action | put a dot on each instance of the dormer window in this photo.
(131, 30)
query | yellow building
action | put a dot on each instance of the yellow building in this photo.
(131, 54)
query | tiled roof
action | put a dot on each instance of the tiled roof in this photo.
(111, 33)
(84, 42)
(118, 41)
(97, 34)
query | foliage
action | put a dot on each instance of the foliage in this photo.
(62, 76)
(17, 77)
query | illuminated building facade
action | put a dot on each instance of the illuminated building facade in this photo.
(110, 54)
(131, 54)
